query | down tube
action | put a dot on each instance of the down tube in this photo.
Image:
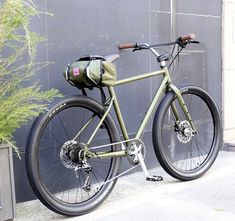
(151, 108)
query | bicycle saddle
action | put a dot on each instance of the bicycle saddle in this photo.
(112, 57)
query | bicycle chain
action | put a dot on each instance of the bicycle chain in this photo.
(123, 148)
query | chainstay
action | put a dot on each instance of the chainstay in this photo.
(116, 143)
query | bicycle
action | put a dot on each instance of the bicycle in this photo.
(73, 163)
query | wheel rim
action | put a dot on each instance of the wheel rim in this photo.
(191, 156)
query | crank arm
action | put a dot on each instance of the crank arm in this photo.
(144, 168)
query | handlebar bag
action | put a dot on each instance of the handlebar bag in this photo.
(91, 71)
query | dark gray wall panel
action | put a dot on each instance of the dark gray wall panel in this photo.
(160, 28)
(208, 31)
(134, 97)
(160, 5)
(184, 74)
(199, 7)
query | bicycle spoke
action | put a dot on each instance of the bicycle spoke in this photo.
(63, 127)
(84, 127)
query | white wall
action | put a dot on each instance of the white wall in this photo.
(228, 45)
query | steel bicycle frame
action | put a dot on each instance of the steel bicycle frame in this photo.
(113, 101)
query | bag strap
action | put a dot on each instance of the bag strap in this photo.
(103, 96)
(101, 73)
(87, 68)
(84, 92)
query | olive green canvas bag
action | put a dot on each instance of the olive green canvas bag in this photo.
(89, 72)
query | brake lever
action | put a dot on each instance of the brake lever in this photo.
(136, 49)
(140, 47)
(194, 42)
(181, 43)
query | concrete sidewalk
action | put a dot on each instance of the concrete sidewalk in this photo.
(212, 197)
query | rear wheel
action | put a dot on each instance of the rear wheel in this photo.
(62, 178)
(183, 154)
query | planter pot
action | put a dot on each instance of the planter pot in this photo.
(7, 187)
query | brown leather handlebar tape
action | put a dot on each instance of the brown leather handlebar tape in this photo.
(126, 45)
(188, 37)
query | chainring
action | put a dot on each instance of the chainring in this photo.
(134, 148)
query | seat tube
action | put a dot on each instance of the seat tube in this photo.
(100, 123)
(118, 113)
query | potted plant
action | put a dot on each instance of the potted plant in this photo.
(20, 100)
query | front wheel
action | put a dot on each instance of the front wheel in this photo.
(183, 154)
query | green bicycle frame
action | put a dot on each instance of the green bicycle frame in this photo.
(166, 82)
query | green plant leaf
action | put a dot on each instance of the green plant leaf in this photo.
(18, 43)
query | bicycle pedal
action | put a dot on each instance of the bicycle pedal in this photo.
(154, 178)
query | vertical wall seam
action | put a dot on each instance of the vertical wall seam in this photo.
(47, 46)
(223, 67)
(173, 20)
(150, 58)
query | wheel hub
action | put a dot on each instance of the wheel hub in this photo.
(71, 154)
(184, 132)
